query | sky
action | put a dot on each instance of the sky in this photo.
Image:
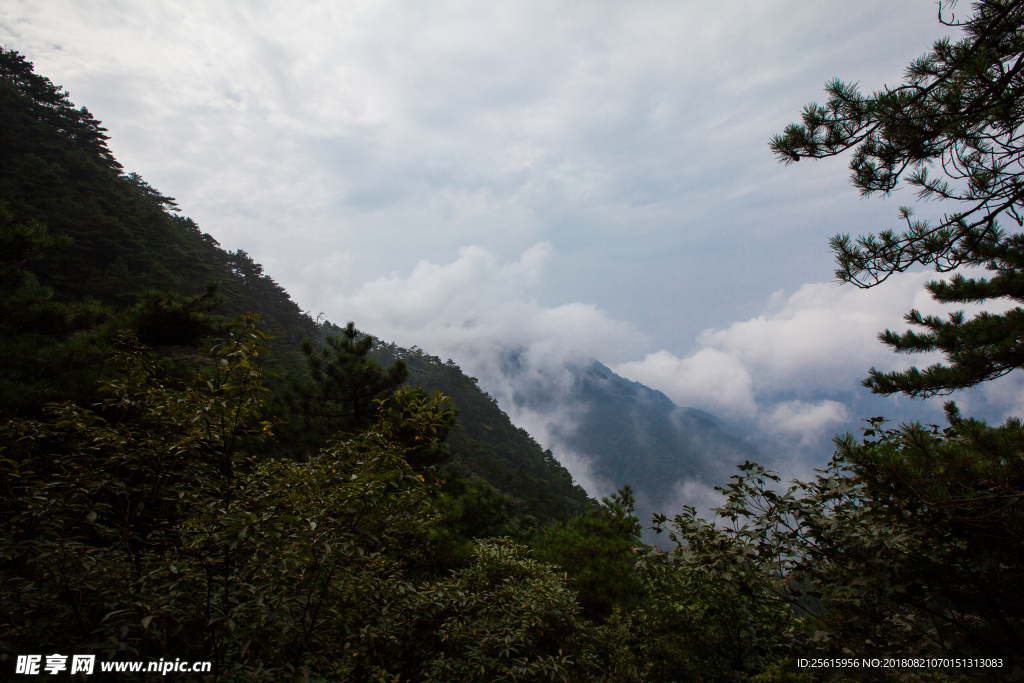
(562, 180)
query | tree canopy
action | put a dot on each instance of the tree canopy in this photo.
(951, 131)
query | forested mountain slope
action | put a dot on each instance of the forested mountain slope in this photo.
(638, 436)
(127, 239)
(631, 434)
(486, 442)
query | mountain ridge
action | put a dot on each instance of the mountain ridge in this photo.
(633, 434)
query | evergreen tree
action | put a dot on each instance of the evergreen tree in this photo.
(596, 550)
(910, 541)
(45, 345)
(163, 319)
(344, 381)
(952, 132)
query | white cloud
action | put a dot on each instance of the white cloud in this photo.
(708, 378)
(807, 420)
(824, 336)
(322, 279)
(821, 339)
(483, 313)
(790, 378)
(699, 495)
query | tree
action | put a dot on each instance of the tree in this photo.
(908, 544)
(910, 541)
(47, 345)
(691, 626)
(955, 494)
(596, 551)
(344, 381)
(952, 132)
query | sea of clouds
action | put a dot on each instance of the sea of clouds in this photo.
(787, 380)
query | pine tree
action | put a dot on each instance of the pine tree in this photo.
(344, 381)
(45, 344)
(952, 132)
(596, 550)
(911, 539)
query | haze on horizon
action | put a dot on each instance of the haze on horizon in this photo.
(565, 181)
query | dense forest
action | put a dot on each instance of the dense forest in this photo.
(192, 469)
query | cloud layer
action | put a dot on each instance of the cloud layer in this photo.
(788, 379)
(338, 142)
(484, 314)
(795, 370)
(821, 339)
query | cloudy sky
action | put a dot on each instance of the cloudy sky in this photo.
(570, 180)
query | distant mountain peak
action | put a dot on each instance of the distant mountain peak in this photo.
(633, 434)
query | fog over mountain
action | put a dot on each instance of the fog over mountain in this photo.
(785, 381)
(627, 433)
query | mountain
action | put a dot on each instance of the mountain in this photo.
(124, 239)
(628, 433)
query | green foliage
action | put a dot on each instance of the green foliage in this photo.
(162, 319)
(150, 530)
(164, 521)
(504, 618)
(957, 495)
(93, 506)
(596, 551)
(959, 110)
(908, 545)
(42, 102)
(692, 626)
(347, 380)
(343, 384)
(420, 423)
(46, 345)
(472, 508)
